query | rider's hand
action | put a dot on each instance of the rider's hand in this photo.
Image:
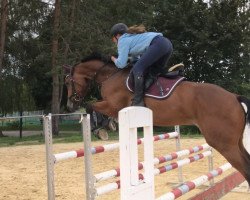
(113, 58)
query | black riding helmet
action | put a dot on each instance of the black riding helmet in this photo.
(119, 28)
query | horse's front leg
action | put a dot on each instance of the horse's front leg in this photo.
(102, 107)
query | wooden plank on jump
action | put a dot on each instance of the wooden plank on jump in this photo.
(221, 188)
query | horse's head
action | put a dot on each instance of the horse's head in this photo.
(80, 77)
(76, 86)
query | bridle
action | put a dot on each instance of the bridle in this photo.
(75, 96)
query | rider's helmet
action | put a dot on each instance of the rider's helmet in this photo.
(119, 28)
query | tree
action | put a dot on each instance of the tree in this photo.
(55, 106)
(4, 17)
(28, 41)
(228, 29)
(210, 38)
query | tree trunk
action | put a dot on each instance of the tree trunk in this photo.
(71, 25)
(68, 39)
(4, 15)
(55, 107)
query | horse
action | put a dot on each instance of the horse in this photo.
(222, 117)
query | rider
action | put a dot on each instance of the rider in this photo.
(147, 48)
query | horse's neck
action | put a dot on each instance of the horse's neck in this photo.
(110, 69)
(106, 72)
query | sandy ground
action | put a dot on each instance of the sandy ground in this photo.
(23, 172)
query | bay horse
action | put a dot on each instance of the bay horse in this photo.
(222, 117)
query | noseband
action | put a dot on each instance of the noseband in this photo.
(75, 97)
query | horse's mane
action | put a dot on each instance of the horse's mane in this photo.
(92, 56)
(97, 56)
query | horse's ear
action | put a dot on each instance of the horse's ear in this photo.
(67, 69)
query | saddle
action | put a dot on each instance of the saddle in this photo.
(159, 84)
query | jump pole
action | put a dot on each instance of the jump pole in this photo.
(221, 188)
(130, 119)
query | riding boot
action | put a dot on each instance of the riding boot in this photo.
(138, 91)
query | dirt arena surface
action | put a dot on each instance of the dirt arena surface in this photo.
(23, 172)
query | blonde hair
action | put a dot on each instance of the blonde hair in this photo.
(136, 29)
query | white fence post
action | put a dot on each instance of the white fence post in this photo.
(130, 119)
(178, 148)
(89, 182)
(47, 129)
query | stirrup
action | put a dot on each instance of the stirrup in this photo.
(175, 67)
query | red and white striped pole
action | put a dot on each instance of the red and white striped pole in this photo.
(159, 160)
(108, 147)
(190, 185)
(157, 171)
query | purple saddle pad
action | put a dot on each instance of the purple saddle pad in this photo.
(160, 89)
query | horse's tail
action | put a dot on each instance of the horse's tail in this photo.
(244, 145)
(246, 105)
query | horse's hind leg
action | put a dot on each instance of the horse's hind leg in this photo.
(246, 157)
(228, 142)
(240, 160)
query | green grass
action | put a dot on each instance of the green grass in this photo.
(64, 127)
(63, 137)
(72, 133)
(28, 140)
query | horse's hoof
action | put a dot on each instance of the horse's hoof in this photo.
(112, 125)
(102, 134)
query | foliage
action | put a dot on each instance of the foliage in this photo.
(15, 95)
(210, 37)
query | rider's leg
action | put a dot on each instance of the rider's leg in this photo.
(156, 52)
(138, 90)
